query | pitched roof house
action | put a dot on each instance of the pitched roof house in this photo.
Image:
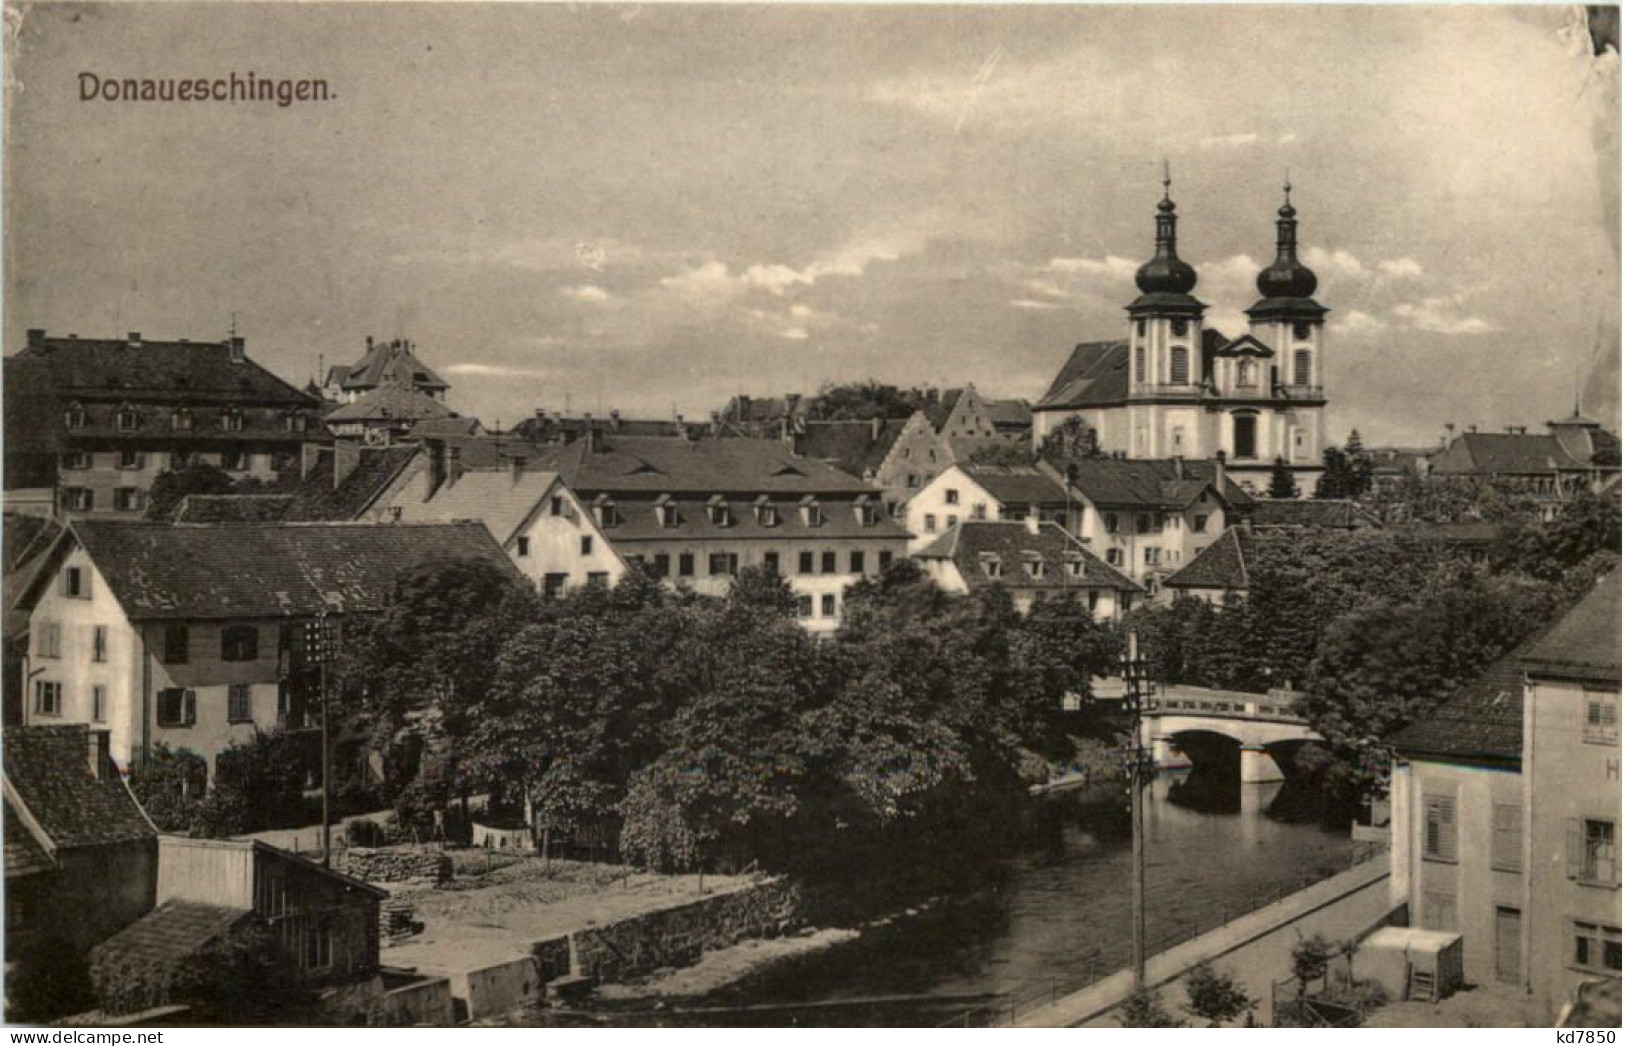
(80, 855)
(100, 418)
(390, 364)
(190, 634)
(1031, 559)
(695, 512)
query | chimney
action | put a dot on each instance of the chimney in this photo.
(798, 440)
(682, 430)
(309, 455)
(434, 476)
(369, 343)
(36, 337)
(614, 419)
(589, 433)
(1033, 521)
(346, 456)
(235, 348)
(875, 425)
(1218, 472)
(517, 464)
(98, 753)
(716, 423)
(1179, 467)
(135, 339)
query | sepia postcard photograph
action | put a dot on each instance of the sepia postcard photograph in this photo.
(767, 515)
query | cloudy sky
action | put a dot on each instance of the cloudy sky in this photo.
(649, 207)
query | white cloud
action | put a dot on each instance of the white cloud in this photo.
(1336, 263)
(1286, 139)
(1400, 268)
(492, 370)
(1358, 323)
(586, 293)
(1437, 316)
(800, 311)
(1030, 303)
(714, 279)
(795, 334)
(1227, 141)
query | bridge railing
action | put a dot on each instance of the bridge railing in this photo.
(1008, 1007)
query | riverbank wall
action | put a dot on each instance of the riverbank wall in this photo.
(674, 936)
(1256, 948)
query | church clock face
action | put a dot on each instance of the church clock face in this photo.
(1300, 331)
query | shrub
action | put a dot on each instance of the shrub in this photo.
(1144, 1010)
(49, 980)
(364, 832)
(169, 784)
(1215, 997)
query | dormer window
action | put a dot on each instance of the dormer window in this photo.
(666, 511)
(181, 420)
(604, 510)
(1033, 565)
(868, 515)
(298, 422)
(1074, 564)
(992, 566)
(720, 514)
(812, 513)
(767, 513)
(75, 417)
(232, 420)
(126, 418)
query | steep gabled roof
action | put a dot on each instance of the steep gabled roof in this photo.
(501, 499)
(1222, 564)
(631, 464)
(938, 411)
(1482, 721)
(48, 769)
(1096, 374)
(256, 570)
(390, 403)
(388, 363)
(1013, 543)
(1503, 452)
(177, 371)
(317, 499)
(1017, 484)
(854, 447)
(1584, 644)
(1009, 415)
(1153, 483)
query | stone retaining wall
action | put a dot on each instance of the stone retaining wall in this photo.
(677, 936)
(396, 866)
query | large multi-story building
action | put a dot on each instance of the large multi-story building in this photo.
(1506, 811)
(193, 634)
(1178, 388)
(695, 512)
(96, 420)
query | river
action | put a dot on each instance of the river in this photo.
(1050, 919)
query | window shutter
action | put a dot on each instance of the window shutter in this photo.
(189, 707)
(1576, 849)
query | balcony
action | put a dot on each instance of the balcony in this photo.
(1300, 392)
(1167, 390)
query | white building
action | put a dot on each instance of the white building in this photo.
(1032, 560)
(1175, 387)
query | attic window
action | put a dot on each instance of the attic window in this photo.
(868, 516)
(789, 470)
(605, 512)
(232, 420)
(1035, 568)
(181, 420)
(666, 511)
(992, 566)
(812, 513)
(126, 418)
(75, 417)
(767, 513)
(298, 422)
(718, 511)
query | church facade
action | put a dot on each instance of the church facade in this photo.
(1175, 387)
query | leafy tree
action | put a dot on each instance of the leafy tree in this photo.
(259, 783)
(169, 783)
(415, 673)
(765, 590)
(1282, 485)
(1215, 997)
(1337, 476)
(1071, 440)
(1360, 465)
(171, 486)
(1310, 958)
(1586, 525)
(1144, 1009)
(1009, 454)
(863, 401)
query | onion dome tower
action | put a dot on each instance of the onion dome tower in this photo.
(1287, 287)
(1165, 321)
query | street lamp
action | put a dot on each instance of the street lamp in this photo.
(1135, 677)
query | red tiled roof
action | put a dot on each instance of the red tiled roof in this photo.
(49, 768)
(1017, 484)
(1222, 564)
(388, 363)
(235, 570)
(1014, 543)
(1481, 721)
(854, 447)
(1095, 374)
(1584, 644)
(708, 466)
(391, 403)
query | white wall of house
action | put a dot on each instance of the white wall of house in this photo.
(561, 540)
(951, 497)
(1145, 543)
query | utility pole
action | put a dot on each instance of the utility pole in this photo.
(1134, 679)
(320, 646)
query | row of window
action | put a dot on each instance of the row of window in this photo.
(727, 563)
(1034, 568)
(827, 606)
(1151, 556)
(128, 418)
(48, 641)
(230, 459)
(1592, 850)
(719, 513)
(83, 499)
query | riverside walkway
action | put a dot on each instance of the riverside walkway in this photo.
(1256, 948)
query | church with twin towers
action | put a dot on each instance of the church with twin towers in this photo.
(1175, 387)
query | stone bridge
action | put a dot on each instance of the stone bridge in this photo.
(1191, 726)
